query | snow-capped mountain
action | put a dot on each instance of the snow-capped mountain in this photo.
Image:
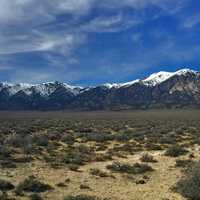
(158, 78)
(14, 88)
(44, 89)
(152, 80)
(119, 85)
(162, 89)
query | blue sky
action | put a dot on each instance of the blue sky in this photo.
(89, 42)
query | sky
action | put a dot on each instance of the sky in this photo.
(90, 42)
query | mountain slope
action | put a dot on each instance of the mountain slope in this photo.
(159, 90)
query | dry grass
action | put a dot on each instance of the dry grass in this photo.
(71, 157)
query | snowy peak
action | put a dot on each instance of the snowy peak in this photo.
(73, 89)
(119, 85)
(129, 83)
(154, 79)
(185, 72)
(157, 78)
(110, 85)
(44, 89)
(14, 88)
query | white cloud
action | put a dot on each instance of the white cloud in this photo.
(62, 43)
(25, 25)
(115, 23)
(37, 11)
(169, 6)
(79, 6)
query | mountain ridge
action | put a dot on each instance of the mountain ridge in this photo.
(160, 90)
(151, 80)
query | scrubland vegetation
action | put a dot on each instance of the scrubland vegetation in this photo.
(132, 157)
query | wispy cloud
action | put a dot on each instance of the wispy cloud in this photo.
(191, 21)
(57, 31)
(24, 29)
(39, 41)
(114, 23)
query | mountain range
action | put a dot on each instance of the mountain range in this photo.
(180, 89)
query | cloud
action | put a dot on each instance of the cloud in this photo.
(114, 23)
(21, 11)
(191, 21)
(56, 29)
(34, 41)
(62, 43)
(169, 6)
(24, 29)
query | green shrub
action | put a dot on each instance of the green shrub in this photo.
(136, 168)
(153, 147)
(41, 140)
(79, 155)
(184, 163)
(73, 167)
(4, 196)
(6, 185)
(189, 184)
(5, 152)
(69, 139)
(35, 196)
(98, 172)
(81, 197)
(148, 158)
(175, 151)
(31, 184)
(7, 164)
